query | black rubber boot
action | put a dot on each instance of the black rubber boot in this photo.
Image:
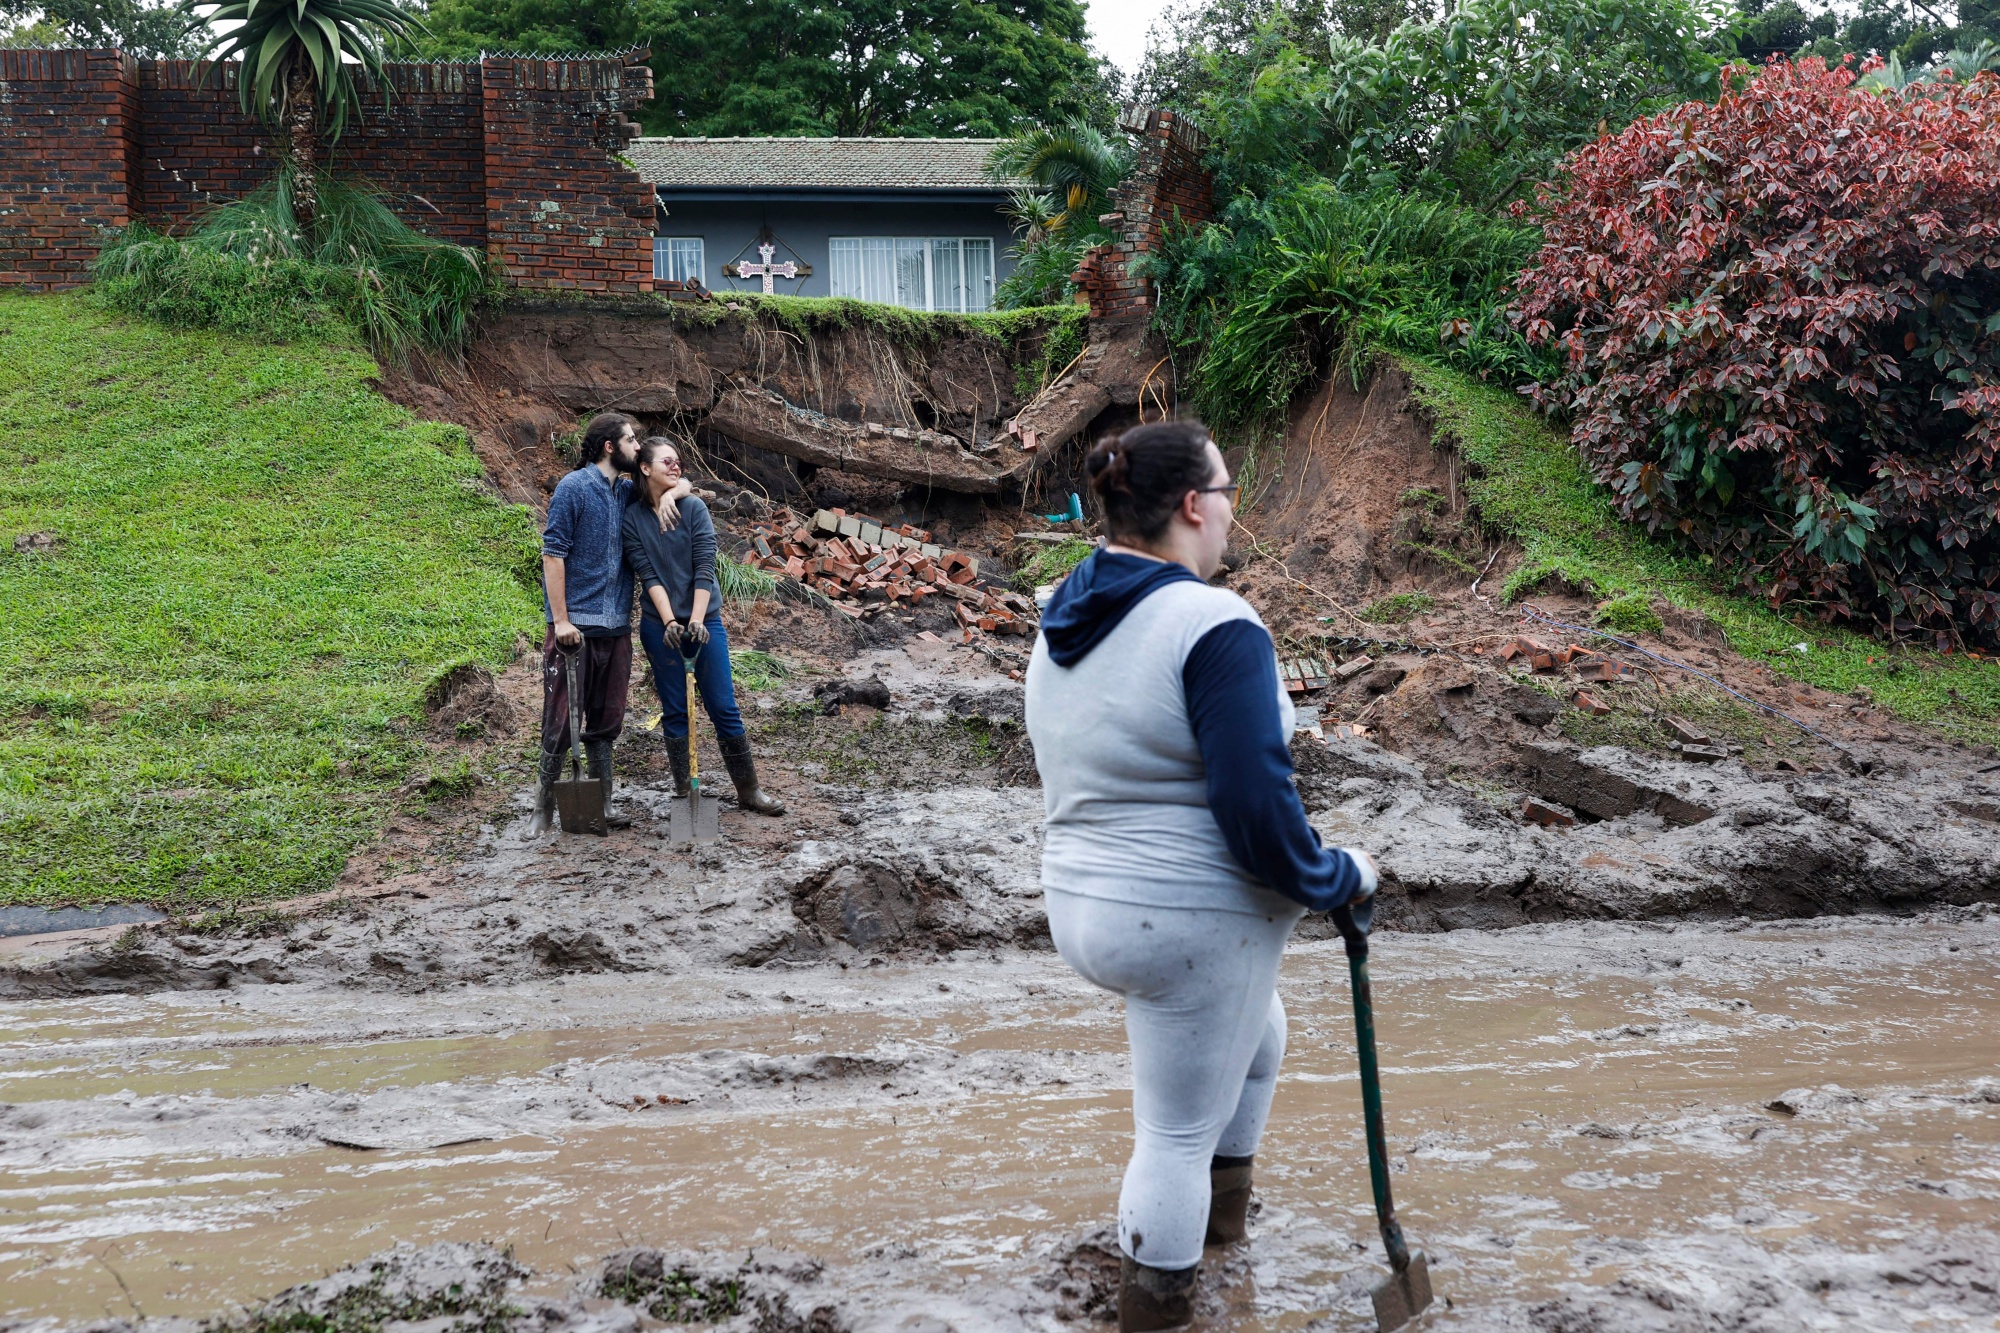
(743, 772)
(1150, 1299)
(677, 764)
(546, 773)
(1228, 1200)
(598, 755)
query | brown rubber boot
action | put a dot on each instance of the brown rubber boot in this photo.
(1228, 1200)
(743, 772)
(1151, 1299)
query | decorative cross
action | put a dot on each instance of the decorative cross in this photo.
(767, 270)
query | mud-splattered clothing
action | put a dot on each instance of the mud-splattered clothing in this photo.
(604, 673)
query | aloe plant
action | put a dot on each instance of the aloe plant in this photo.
(298, 61)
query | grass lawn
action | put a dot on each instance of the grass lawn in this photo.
(211, 687)
(1528, 484)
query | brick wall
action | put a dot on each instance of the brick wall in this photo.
(1168, 187)
(66, 173)
(509, 155)
(589, 224)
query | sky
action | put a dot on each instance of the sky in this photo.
(1118, 28)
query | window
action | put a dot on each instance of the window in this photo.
(924, 273)
(677, 259)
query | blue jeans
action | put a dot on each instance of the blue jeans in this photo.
(711, 677)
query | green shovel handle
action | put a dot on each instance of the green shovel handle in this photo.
(1354, 934)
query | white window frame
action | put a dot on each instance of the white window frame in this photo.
(849, 274)
(664, 256)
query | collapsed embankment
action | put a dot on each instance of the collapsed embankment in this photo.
(1497, 790)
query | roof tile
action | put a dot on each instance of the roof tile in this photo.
(839, 164)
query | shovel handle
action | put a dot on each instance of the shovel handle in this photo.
(1356, 940)
(693, 698)
(570, 659)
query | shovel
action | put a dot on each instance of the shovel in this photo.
(579, 797)
(1408, 1291)
(693, 817)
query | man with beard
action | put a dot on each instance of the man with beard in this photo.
(589, 607)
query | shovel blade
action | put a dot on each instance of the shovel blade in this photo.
(1404, 1296)
(694, 818)
(580, 805)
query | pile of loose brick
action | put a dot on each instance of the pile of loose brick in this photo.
(1590, 667)
(850, 558)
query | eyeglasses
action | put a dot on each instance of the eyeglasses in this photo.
(1232, 488)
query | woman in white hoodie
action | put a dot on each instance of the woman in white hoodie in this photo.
(1176, 856)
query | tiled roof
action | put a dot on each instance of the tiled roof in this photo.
(825, 164)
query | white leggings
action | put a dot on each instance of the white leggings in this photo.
(1207, 1034)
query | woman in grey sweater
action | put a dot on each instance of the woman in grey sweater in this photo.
(681, 620)
(1176, 856)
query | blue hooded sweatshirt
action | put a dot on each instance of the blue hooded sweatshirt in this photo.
(1229, 680)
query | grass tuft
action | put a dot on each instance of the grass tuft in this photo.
(741, 582)
(1631, 614)
(1050, 563)
(755, 669)
(1397, 608)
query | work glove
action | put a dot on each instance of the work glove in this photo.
(1355, 917)
(670, 630)
(697, 633)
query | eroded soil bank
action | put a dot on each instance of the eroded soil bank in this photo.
(1717, 1054)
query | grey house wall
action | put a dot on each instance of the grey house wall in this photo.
(729, 222)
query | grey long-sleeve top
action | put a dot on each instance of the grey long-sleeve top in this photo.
(679, 560)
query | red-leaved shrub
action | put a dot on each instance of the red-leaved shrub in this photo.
(1780, 320)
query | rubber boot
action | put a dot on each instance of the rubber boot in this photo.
(1228, 1200)
(1150, 1299)
(677, 764)
(598, 755)
(546, 773)
(743, 772)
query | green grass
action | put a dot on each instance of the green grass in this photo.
(1397, 608)
(211, 689)
(1050, 563)
(1526, 482)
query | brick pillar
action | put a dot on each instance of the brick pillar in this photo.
(1168, 186)
(68, 150)
(561, 212)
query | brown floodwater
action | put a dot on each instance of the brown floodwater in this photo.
(1570, 1107)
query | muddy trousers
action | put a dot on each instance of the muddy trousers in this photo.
(604, 672)
(1207, 1034)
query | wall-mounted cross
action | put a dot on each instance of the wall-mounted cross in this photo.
(766, 270)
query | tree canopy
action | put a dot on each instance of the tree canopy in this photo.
(803, 67)
(143, 27)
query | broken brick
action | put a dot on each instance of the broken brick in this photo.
(1687, 733)
(1546, 813)
(1589, 705)
(1704, 754)
(1353, 667)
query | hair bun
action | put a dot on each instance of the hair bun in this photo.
(1109, 467)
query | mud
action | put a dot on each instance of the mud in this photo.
(1715, 1054)
(1674, 1127)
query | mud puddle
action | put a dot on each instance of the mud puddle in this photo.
(1802, 1120)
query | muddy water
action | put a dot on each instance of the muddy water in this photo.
(1574, 1110)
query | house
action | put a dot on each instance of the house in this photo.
(911, 222)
